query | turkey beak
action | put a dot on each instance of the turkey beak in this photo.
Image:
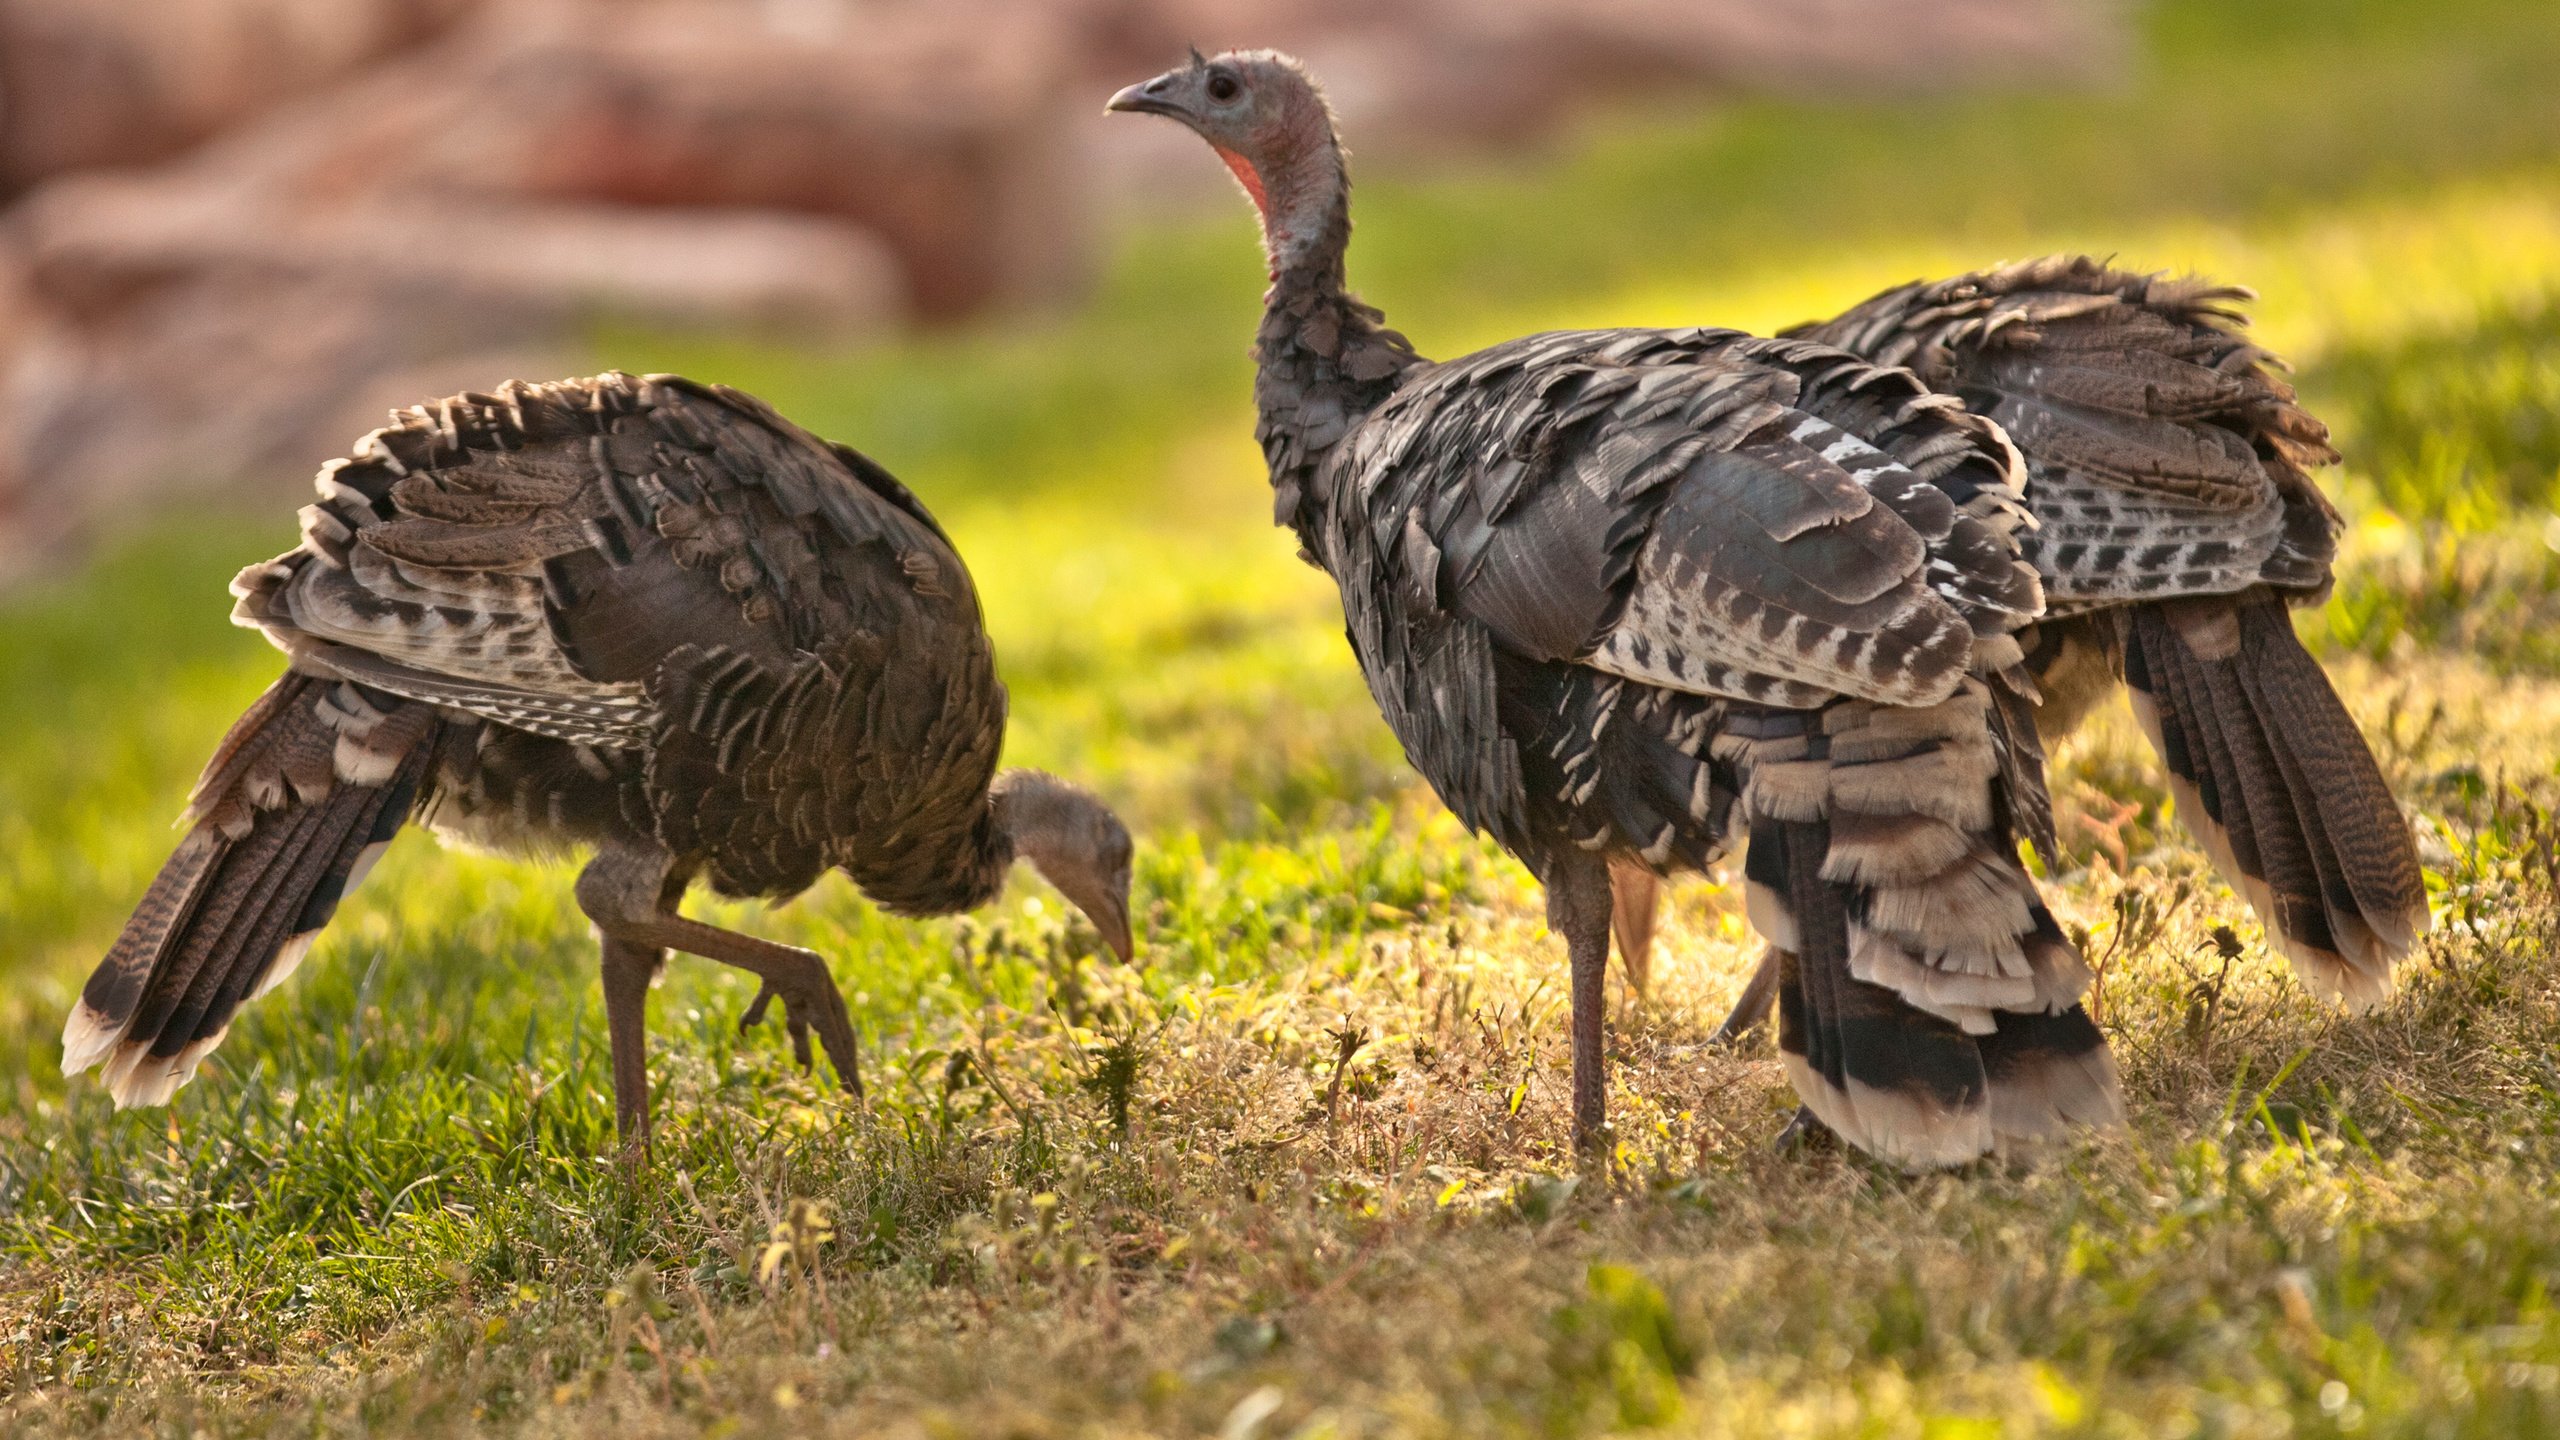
(1109, 914)
(1113, 921)
(1105, 905)
(1151, 97)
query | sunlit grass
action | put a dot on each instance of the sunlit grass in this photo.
(1339, 1206)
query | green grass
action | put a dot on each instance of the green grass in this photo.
(1298, 1173)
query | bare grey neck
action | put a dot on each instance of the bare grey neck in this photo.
(1307, 228)
(1323, 359)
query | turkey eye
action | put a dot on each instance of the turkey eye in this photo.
(1223, 88)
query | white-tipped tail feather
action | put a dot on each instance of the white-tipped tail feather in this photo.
(136, 1078)
(1901, 1128)
(300, 801)
(87, 1038)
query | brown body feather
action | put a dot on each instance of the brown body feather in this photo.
(639, 614)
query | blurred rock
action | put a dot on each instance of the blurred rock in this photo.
(929, 122)
(1427, 77)
(238, 312)
(402, 198)
(85, 83)
(91, 244)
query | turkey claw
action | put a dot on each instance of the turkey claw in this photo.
(800, 1014)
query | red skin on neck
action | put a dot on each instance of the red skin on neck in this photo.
(1251, 179)
(1248, 176)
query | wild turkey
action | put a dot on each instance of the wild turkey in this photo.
(1614, 588)
(2169, 471)
(648, 616)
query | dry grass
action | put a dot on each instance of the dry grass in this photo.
(1339, 1196)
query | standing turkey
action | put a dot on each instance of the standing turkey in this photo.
(1620, 591)
(2169, 472)
(647, 616)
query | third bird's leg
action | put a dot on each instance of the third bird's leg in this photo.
(1805, 1129)
(1578, 909)
(1759, 994)
(1635, 902)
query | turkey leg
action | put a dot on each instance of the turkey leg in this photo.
(1758, 994)
(1578, 908)
(628, 969)
(1635, 901)
(631, 896)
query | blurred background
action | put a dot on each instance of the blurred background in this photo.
(238, 231)
(234, 232)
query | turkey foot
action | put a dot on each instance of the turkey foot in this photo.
(805, 1006)
(631, 894)
(1805, 1132)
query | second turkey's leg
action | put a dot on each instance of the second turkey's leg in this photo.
(1578, 908)
(1759, 993)
(1804, 1130)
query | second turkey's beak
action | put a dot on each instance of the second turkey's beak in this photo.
(1152, 97)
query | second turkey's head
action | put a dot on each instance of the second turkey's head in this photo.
(1265, 117)
(1076, 844)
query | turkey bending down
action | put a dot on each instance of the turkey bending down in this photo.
(1619, 592)
(644, 615)
(2169, 472)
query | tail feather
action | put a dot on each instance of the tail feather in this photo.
(233, 916)
(1928, 1003)
(2047, 1071)
(115, 987)
(2256, 785)
(301, 797)
(1892, 1080)
(2271, 774)
(2029, 808)
(2367, 834)
(258, 760)
(329, 844)
(2327, 909)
